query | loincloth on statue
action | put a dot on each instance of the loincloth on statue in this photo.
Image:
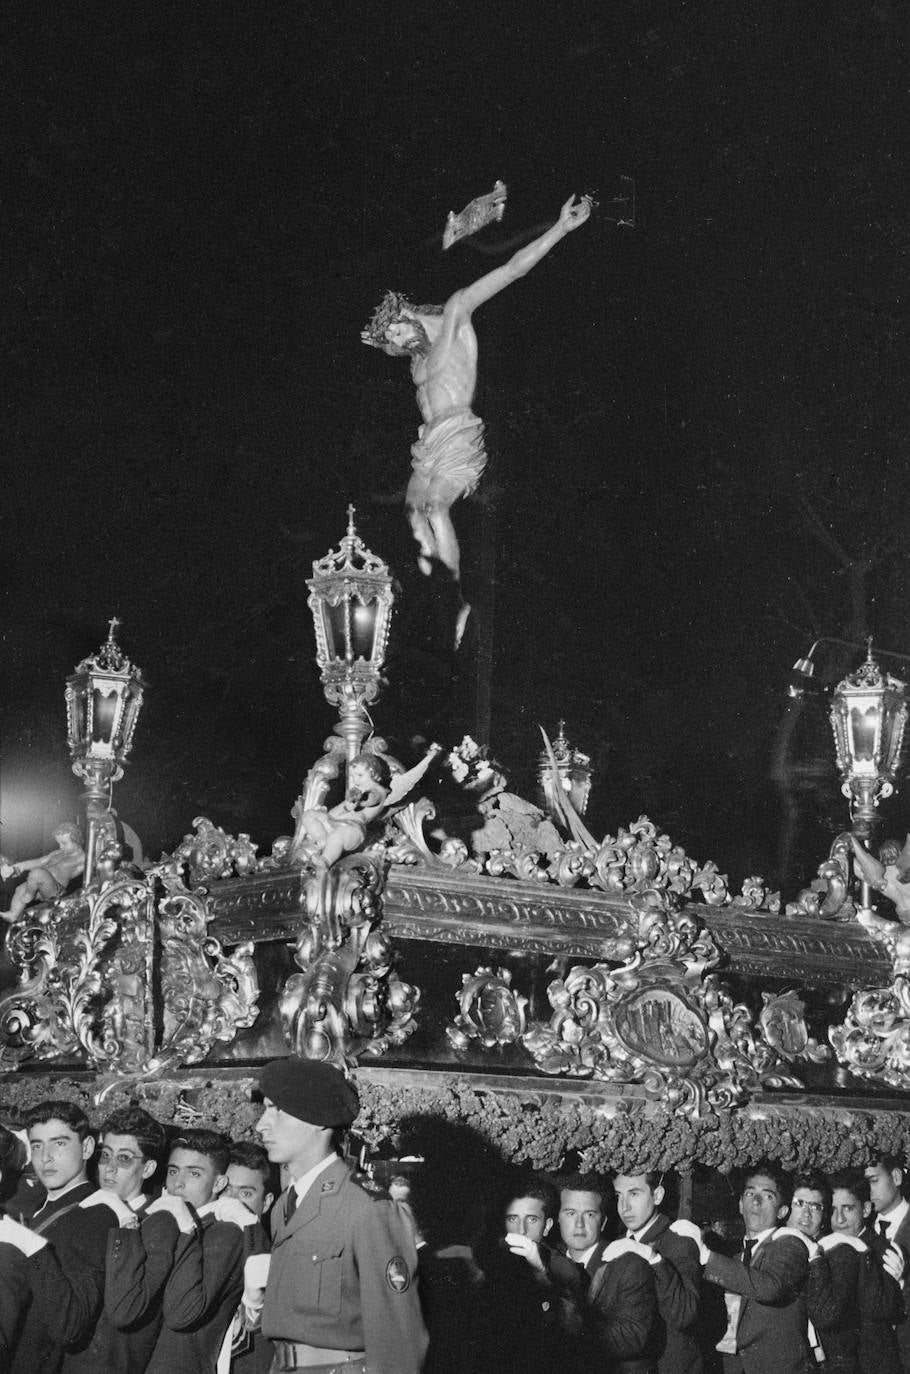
(448, 459)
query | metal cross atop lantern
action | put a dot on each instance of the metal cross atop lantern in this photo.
(351, 600)
(103, 700)
(868, 714)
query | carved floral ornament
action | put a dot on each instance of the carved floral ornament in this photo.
(127, 975)
(651, 1010)
(662, 1019)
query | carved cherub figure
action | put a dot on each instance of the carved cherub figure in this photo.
(323, 836)
(891, 878)
(49, 875)
(343, 829)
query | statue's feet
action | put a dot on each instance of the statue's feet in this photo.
(461, 622)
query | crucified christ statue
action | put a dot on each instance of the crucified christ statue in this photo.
(449, 455)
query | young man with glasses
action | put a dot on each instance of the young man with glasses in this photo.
(213, 1237)
(132, 1144)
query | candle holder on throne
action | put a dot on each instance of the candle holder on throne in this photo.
(346, 999)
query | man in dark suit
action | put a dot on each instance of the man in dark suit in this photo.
(67, 1279)
(864, 1283)
(767, 1330)
(621, 1320)
(205, 1285)
(341, 1284)
(892, 1226)
(677, 1272)
(533, 1293)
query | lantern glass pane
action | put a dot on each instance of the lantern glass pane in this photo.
(363, 627)
(78, 718)
(104, 715)
(864, 728)
(334, 619)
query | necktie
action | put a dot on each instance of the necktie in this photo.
(290, 1204)
(748, 1247)
(883, 1229)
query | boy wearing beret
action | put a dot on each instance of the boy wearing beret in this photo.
(340, 1286)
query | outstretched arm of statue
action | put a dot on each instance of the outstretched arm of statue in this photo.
(572, 215)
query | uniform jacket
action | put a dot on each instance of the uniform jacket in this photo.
(202, 1295)
(771, 1336)
(139, 1263)
(67, 1283)
(343, 1276)
(678, 1282)
(621, 1316)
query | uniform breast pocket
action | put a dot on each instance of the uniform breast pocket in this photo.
(320, 1287)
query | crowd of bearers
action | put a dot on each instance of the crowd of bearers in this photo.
(147, 1252)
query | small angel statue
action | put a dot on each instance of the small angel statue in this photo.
(372, 791)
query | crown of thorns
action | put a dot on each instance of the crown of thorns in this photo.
(389, 311)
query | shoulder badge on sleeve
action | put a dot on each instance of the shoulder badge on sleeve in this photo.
(398, 1275)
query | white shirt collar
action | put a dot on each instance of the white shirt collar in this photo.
(303, 1184)
(588, 1253)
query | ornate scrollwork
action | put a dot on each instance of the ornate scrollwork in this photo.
(87, 965)
(828, 896)
(665, 1020)
(517, 839)
(347, 999)
(490, 1011)
(206, 996)
(874, 1039)
(210, 853)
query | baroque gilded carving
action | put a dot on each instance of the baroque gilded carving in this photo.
(347, 1000)
(210, 853)
(490, 1011)
(828, 896)
(873, 1041)
(88, 967)
(664, 1019)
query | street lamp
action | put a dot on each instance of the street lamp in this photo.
(103, 700)
(351, 600)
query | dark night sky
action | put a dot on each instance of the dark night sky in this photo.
(697, 427)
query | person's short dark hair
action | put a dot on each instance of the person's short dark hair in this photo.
(148, 1133)
(58, 1109)
(585, 1183)
(888, 1162)
(249, 1154)
(767, 1168)
(210, 1143)
(817, 1181)
(535, 1186)
(653, 1177)
(852, 1181)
